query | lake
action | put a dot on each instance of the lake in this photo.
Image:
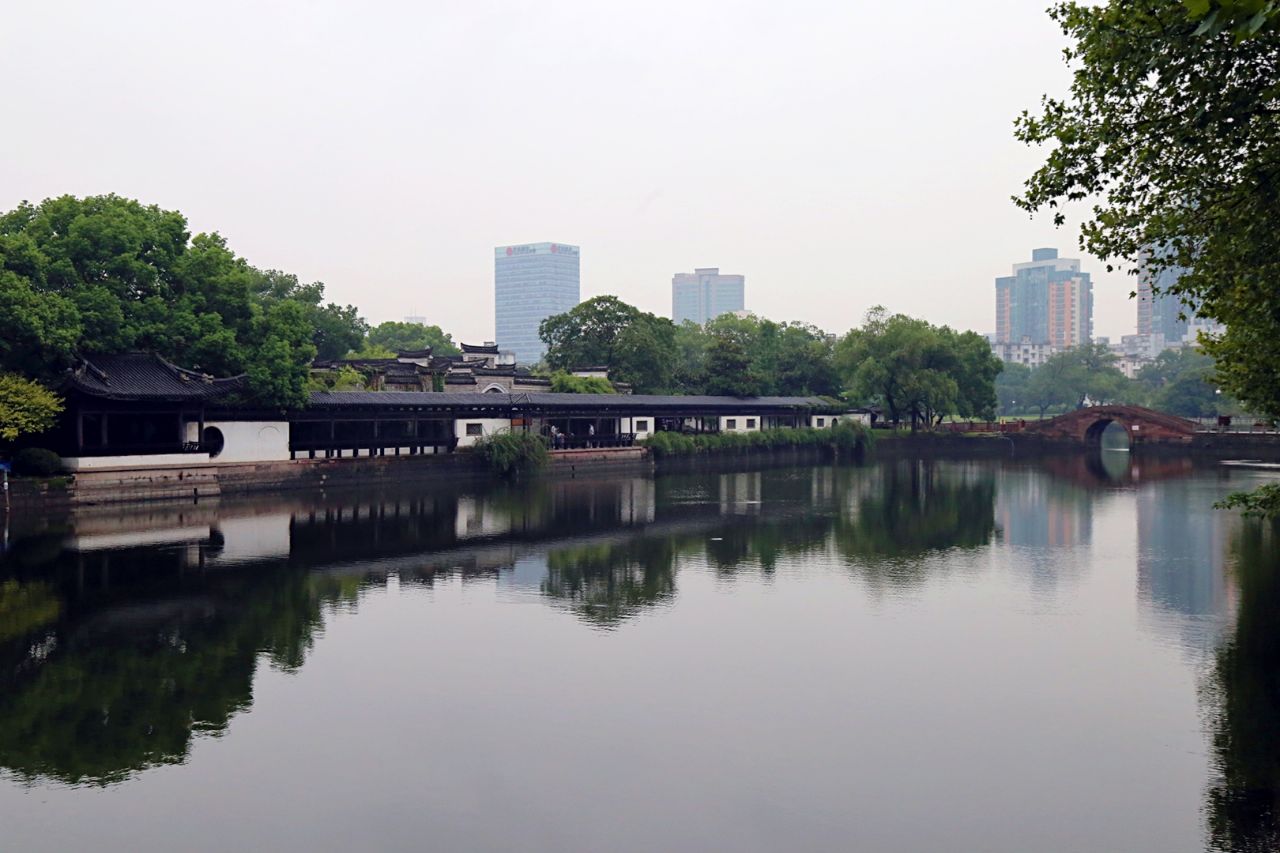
(1075, 654)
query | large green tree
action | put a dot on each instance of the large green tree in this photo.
(336, 329)
(1183, 382)
(1172, 132)
(1011, 388)
(393, 337)
(637, 347)
(106, 274)
(790, 359)
(917, 371)
(1077, 377)
(690, 371)
(729, 370)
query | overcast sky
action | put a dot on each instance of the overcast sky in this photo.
(839, 155)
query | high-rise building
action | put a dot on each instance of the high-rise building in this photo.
(531, 283)
(705, 294)
(1163, 313)
(1046, 301)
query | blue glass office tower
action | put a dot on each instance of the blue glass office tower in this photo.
(531, 283)
(705, 295)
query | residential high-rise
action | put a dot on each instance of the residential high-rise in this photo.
(1160, 312)
(532, 282)
(1046, 301)
(705, 294)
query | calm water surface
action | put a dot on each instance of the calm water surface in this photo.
(1079, 655)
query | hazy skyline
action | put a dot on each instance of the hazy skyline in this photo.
(837, 156)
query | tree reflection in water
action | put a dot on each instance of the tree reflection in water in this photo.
(141, 667)
(905, 511)
(1243, 699)
(112, 660)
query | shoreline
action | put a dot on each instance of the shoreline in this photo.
(201, 482)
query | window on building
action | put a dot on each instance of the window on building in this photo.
(822, 422)
(731, 423)
(642, 426)
(751, 423)
(475, 429)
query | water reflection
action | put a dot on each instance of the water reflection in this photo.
(125, 635)
(119, 657)
(900, 513)
(1182, 559)
(1243, 702)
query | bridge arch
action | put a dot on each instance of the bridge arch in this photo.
(1142, 426)
(1093, 435)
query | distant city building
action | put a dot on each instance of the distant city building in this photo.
(532, 282)
(1161, 312)
(1023, 352)
(1142, 346)
(1199, 324)
(1047, 301)
(705, 294)
(1130, 364)
(417, 319)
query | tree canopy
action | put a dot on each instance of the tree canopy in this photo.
(736, 356)
(567, 383)
(637, 347)
(26, 408)
(105, 274)
(1171, 130)
(393, 337)
(917, 371)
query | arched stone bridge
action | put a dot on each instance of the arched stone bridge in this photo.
(1085, 426)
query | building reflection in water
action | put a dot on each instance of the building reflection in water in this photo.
(125, 635)
(1182, 563)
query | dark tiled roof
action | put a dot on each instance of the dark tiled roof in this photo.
(669, 402)
(414, 353)
(489, 349)
(541, 400)
(459, 379)
(145, 376)
(429, 399)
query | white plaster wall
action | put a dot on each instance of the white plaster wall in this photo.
(159, 460)
(489, 426)
(629, 425)
(252, 441)
(847, 417)
(741, 423)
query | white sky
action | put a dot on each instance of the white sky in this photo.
(837, 154)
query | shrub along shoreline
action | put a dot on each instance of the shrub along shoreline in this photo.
(510, 453)
(842, 438)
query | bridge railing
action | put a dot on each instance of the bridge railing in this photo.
(982, 426)
(1257, 428)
